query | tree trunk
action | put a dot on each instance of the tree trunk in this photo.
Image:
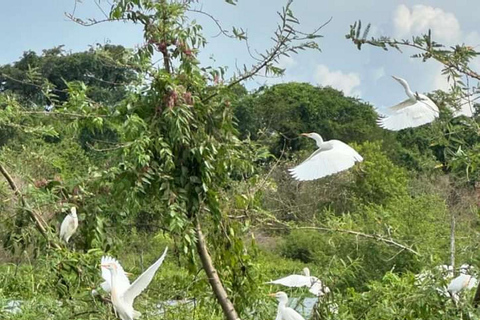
(215, 283)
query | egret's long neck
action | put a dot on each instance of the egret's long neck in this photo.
(318, 139)
(282, 303)
(408, 91)
(306, 271)
(113, 282)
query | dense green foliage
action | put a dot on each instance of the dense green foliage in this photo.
(43, 79)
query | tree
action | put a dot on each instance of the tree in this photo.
(177, 139)
(42, 79)
(283, 111)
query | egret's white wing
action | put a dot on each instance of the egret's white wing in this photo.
(67, 227)
(143, 280)
(409, 115)
(294, 280)
(466, 107)
(472, 283)
(459, 283)
(122, 281)
(318, 289)
(290, 314)
(394, 109)
(429, 103)
(325, 162)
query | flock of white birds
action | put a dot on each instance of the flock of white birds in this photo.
(331, 157)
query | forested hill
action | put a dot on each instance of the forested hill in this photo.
(174, 156)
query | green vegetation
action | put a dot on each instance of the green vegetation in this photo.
(171, 156)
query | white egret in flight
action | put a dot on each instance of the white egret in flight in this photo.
(284, 312)
(122, 292)
(415, 111)
(313, 284)
(331, 157)
(69, 225)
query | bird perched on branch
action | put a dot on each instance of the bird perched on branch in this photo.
(122, 292)
(463, 281)
(69, 225)
(416, 110)
(331, 157)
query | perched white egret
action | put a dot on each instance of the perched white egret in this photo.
(69, 225)
(122, 292)
(313, 284)
(331, 157)
(284, 312)
(415, 111)
(461, 282)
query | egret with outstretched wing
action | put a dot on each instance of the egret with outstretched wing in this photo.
(122, 292)
(416, 110)
(331, 157)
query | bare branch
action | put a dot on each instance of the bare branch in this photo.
(90, 22)
(356, 233)
(365, 235)
(67, 114)
(216, 21)
(109, 149)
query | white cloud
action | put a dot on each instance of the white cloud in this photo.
(377, 73)
(285, 62)
(420, 18)
(347, 82)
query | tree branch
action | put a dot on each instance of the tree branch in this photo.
(365, 235)
(38, 221)
(360, 234)
(68, 114)
(216, 21)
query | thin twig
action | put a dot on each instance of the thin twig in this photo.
(216, 21)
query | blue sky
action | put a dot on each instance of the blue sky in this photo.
(36, 25)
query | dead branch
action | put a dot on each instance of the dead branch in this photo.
(359, 234)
